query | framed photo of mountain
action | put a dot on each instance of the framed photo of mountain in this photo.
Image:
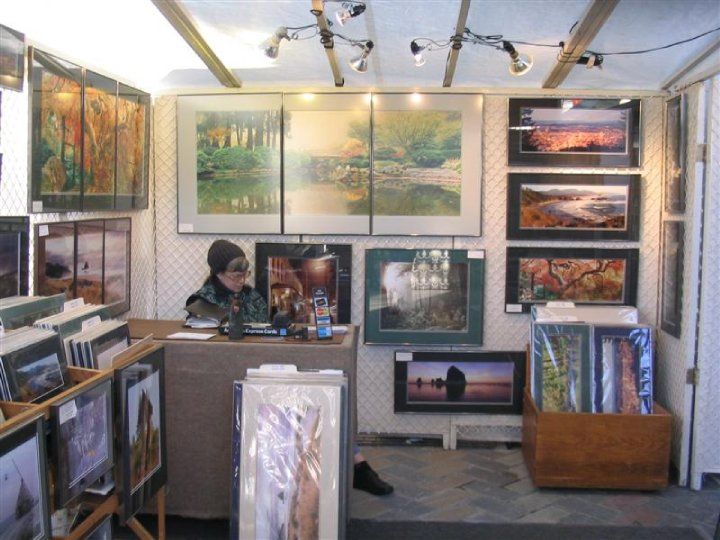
(573, 207)
(12, 58)
(673, 260)
(674, 172)
(14, 255)
(459, 382)
(564, 132)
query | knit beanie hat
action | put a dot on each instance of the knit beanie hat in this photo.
(220, 254)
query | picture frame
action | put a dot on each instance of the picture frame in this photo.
(285, 281)
(537, 275)
(426, 164)
(567, 132)
(675, 166)
(14, 255)
(89, 260)
(55, 259)
(459, 382)
(117, 257)
(573, 207)
(673, 261)
(12, 58)
(133, 148)
(424, 296)
(228, 183)
(326, 158)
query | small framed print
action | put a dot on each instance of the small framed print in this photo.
(673, 257)
(675, 142)
(12, 58)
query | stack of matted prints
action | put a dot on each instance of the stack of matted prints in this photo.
(18, 311)
(592, 360)
(291, 456)
(73, 320)
(95, 347)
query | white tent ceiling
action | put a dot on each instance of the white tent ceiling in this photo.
(134, 42)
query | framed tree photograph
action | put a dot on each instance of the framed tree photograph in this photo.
(133, 148)
(116, 264)
(675, 142)
(459, 382)
(673, 257)
(564, 132)
(573, 207)
(287, 274)
(229, 163)
(14, 255)
(424, 296)
(326, 163)
(579, 275)
(55, 259)
(12, 58)
(426, 164)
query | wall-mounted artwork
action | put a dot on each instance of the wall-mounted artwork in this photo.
(673, 259)
(14, 255)
(675, 141)
(229, 163)
(566, 132)
(55, 259)
(326, 163)
(459, 382)
(12, 58)
(89, 261)
(426, 164)
(116, 268)
(580, 275)
(133, 134)
(429, 296)
(573, 207)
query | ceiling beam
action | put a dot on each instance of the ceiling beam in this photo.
(456, 44)
(706, 53)
(579, 40)
(183, 25)
(326, 38)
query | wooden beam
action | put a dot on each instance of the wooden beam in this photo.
(183, 24)
(706, 53)
(318, 9)
(577, 43)
(457, 45)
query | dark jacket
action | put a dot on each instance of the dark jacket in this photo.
(214, 292)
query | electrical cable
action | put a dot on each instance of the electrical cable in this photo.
(662, 47)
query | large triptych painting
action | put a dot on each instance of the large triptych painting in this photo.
(133, 135)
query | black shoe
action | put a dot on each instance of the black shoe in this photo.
(366, 479)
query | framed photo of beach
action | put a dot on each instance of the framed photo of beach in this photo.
(573, 207)
(564, 132)
(326, 163)
(14, 255)
(675, 142)
(424, 296)
(673, 257)
(426, 164)
(459, 382)
(579, 275)
(229, 163)
(12, 58)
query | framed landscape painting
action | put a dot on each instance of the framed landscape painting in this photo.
(326, 161)
(673, 257)
(573, 207)
(12, 58)
(116, 267)
(89, 261)
(675, 141)
(55, 259)
(426, 164)
(133, 143)
(14, 255)
(565, 132)
(428, 296)
(229, 163)
(579, 275)
(459, 382)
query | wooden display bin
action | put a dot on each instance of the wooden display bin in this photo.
(606, 451)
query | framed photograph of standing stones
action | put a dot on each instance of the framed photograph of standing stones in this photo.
(426, 164)
(229, 163)
(573, 207)
(326, 163)
(675, 141)
(564, 132)
(14, 255)
(673, 257)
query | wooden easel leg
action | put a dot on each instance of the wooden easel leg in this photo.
(139, 530)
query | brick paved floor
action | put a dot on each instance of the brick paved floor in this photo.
(493, 485)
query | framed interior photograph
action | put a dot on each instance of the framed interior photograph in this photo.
(116, 267)
(229, 163)
(573, 207)
(133, 148)
(55, 259)
(287, 274)
(424, 296)
(89, 261)
(459, 382)
(563, 132)
(673, 260)
(12, 58)
(14, 255)
(426, 164)
(580, 275)
(326, 163)
(675, 142)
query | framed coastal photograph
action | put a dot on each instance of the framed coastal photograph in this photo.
(56, 134)
(426, 164)
(12, 58)
(133, 148)
(565, 132)
(573, 207)
(24, 497)
(89, 261)
(229, 163)
(326, 160)
(424, 296)
(14, 255)
(55, 259)
(287, 274)
(37, 371)
(675, 141)
(579, 275)
(673, 260)
(116, 265)
(459, 382)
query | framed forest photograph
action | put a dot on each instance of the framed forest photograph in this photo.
(133, 148)
(675, 141)
(573, 207)
(14, 255)
(564, 132)
(579, 275)
(673, 260)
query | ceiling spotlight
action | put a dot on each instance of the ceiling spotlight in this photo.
(520, 64)
(416, 51)
(348, 11)
(359, 63)
(271, 46)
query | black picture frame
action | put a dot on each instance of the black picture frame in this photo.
(501, 364)
(122, 228)
(23, 365)
(582, 113)
(675, 166)
(343, 253)
(566, 190)
(516, 303)
(12, 58)
(14, 233)
(673, 260)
